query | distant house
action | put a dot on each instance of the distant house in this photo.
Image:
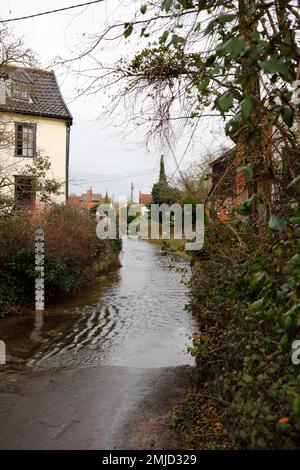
(34, 112)
(87, 200)
(145, 198)
(228, 188)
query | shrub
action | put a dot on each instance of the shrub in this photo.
(71, 249)
(247, 304)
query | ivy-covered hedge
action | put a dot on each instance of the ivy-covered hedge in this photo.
(246, 295)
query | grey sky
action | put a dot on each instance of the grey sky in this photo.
(104, 155)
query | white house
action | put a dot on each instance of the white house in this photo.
(34, 112)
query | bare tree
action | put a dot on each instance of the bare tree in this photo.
(234, 59)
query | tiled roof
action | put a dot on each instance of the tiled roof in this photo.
(227, 154)
(46, 98)
(95, 197)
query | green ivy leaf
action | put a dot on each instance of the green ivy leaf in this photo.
(234, 47)
(296, 408)
(245, 208)
(258, 305)
(226, 18)
(275, 66)
(294, 220)
(247, 378)
(287, 115)
(166, 5)
(128, 30)
(197, 27)
(186, 4)
(295, 260)
(262, 442)
(143, 9)
(277, 223)
(210, 60)
(177, 40)
(224, 102)
(246, 108)
(256, 279)
(255, 36)
(248, 171)
(210, 27)
(292, 311)
(164, 37)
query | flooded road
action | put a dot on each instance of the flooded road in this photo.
(85, 370)
(132, 318)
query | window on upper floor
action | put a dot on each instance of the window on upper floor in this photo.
(20, 90)
(25, 140)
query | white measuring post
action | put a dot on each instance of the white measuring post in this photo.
(40, 269)
(2, 353)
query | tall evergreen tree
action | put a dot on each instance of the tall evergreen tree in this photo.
(162, 172)
(162, 192)
(106, 198)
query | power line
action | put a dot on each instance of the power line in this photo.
(99, 181)
(115, 175)
(50, 11)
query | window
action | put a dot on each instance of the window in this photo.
(20, 90)
(25, 140)
(25, 194)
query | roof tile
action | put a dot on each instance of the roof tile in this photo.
(44, 91)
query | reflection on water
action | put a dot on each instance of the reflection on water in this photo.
(134, 317)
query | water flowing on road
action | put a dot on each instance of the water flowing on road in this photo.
(135, 317)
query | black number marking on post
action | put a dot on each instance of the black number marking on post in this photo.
(40, 270)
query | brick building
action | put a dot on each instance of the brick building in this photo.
(145, 198)
(229, 186)
(87, 200)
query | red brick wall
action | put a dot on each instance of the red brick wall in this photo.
(145, 198)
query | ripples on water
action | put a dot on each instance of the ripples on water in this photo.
(134, 317)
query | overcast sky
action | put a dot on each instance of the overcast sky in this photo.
(104, 155)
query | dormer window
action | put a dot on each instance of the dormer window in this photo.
(20, 90)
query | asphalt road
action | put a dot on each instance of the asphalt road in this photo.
(105, 407)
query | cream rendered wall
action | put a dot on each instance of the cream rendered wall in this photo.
(50, 141)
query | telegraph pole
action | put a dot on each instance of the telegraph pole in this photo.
(132, 187)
